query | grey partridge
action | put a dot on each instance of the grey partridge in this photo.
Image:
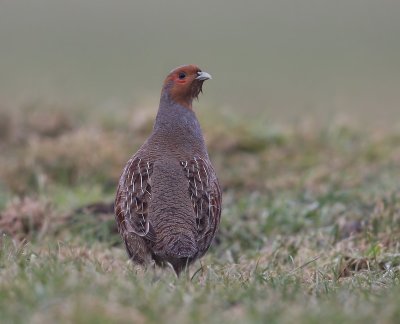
(168, 202)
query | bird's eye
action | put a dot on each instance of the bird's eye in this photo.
(182, 75)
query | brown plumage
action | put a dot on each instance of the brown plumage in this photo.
(168, 202)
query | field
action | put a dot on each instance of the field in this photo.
(310, 228)
(302, 124)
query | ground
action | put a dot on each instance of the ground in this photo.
(310, 225)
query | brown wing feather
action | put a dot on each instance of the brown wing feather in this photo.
(133, 198)
(205, 195)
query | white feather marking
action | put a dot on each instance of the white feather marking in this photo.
(198, 173)
(205, 170)
(141, 177)
(195, 186)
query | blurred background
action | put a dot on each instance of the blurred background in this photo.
(279, 60)
(302, 124)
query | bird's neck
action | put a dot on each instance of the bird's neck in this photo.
(177, 124)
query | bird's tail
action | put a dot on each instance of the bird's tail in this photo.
(182, 246)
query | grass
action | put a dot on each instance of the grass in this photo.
(310, 227)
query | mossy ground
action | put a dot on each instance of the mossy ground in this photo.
(310, 227)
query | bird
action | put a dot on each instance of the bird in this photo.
(168, 200)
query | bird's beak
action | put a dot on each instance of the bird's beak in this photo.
(202, 76)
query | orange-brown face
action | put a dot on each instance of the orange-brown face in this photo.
(185, 83)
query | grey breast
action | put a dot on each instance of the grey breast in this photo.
(171, 212)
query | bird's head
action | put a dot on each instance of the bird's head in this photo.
(185, 83)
